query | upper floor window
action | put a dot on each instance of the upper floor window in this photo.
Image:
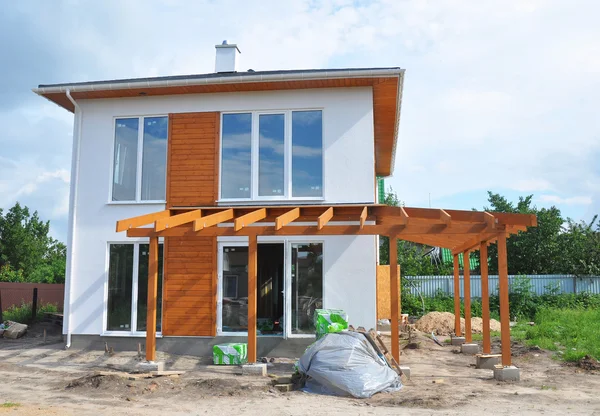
(274, 155)
(140, 159)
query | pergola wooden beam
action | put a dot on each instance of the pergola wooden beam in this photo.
(473, 242)
(363, 217)
(324, 218)
(141, 220)
(213, 219)
(283, 220)
(152, 299)
(457, 330)
(485, 298)
(250, 218)
(445, 217)
(175, 220)
(467, 296)
(490, 220)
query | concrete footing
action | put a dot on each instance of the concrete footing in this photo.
(405, 371)
(487, 361)
(469, 349)
(147, 366)
(256, 369)
(456, 341)
(510, 373)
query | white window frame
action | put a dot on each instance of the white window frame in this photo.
(133, 332)
(287, 281)
(140, 154)
(287, 159)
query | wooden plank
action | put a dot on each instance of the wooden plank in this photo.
(490, 220)
(467, 297)
(213, 219)
(175, 220)
(141, 220)
(250, 218)
(503, 293)
(324, 218)
(152, 298)
(445, 217)
(485, 298)
(394, 298)
(252, 292)
(363, 217)
(286, 218)
(457, 329)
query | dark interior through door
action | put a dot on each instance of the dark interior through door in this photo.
(270, 305)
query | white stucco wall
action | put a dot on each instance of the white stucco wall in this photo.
(348, 178)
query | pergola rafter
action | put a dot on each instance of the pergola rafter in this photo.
(460, 231)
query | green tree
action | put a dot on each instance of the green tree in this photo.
(27, 250)
(580, 245)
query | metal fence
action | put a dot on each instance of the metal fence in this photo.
(428, 286)
(15, 294)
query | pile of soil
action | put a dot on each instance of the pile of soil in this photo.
(442, 323)
(589, 363)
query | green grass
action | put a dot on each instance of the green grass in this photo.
(22, 314)
(10, 404)
(571, 333)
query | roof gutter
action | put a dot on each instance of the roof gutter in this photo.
(396, 129)
(242, 79)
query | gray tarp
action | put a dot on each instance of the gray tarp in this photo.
(345, 364)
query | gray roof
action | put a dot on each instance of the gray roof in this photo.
(249, 73)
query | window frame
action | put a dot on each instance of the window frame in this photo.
(287, 159)
(133, 332)
(140, 154)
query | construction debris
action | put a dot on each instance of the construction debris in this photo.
(14, 330)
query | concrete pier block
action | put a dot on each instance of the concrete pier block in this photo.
(469, 349)
(256, 369)
(405, 371)
(456, 341)
(487, 361)
(147, 366)
(510, 373)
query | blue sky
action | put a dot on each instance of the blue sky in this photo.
(498, 96)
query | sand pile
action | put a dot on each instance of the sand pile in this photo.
(442, 323)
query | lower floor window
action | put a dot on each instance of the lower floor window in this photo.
(128, 287)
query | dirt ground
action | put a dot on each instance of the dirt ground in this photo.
(46, 379)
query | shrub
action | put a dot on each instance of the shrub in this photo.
(22, 314)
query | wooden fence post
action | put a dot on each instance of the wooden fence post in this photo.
(34, 304)
(1, 319)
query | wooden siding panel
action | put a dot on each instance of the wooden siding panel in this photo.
(190, 286)
(193, 159)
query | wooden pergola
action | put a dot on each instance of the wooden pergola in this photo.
(460, 231)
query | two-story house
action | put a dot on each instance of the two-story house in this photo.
(225, 139)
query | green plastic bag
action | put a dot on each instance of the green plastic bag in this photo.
(230, 354)
(329, 320)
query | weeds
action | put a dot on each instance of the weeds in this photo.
(9, 405)
(22, 314)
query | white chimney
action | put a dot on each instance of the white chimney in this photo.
(228, 58)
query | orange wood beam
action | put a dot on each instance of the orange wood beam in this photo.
(213, 219)
(485, 298)
(141, 220)
(457, 330)
(465, 231)
(467, 296)
(363, 217)
(175, 220)
(151, 301)
(394, 298)
(286, 218)
(503, 292)
(490, 220)
(445, 217)
(324, 218)
(252, 293)
(473, 242)
(250, 218)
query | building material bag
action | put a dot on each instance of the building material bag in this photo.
(328, 321)
(345, 364)
(232, 353)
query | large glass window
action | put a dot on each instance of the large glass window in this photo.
(234, 315)
(140, 159)
(236, 155)
(271, 130)
(307, 286)
(307, 153)
(128, 287)
(272, 156)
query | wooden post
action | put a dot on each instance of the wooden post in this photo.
(34, 304)
(1, 318)
(457, 330)
(394, 297)
(485, 298)
(503, 292)
(152, 298)
(467, 296)
(252, 271)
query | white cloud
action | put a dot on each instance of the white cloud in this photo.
(574, 200)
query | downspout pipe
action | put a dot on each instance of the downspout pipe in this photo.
(72, 215)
